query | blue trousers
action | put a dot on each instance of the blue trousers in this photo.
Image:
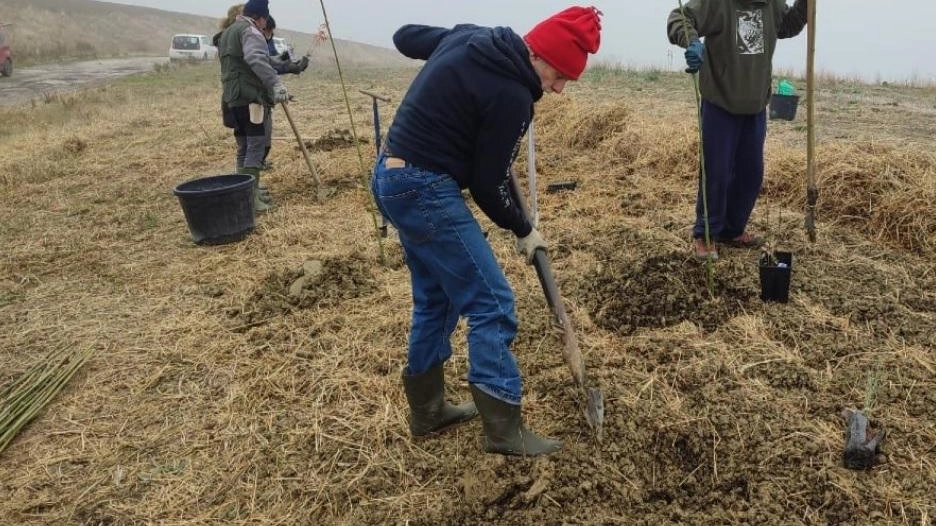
(454, 273)
(734, 166)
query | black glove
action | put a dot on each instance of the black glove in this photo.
(298, 66)
(803, 6)
(284, 56)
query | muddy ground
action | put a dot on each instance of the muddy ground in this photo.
(41, 82)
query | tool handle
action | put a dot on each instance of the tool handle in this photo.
(305, 152)
(371, 94)
(548, 282)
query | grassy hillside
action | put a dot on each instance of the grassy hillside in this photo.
(53, 30)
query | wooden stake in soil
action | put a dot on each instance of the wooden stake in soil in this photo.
(703, 177)
(357, 145)
(812, 192)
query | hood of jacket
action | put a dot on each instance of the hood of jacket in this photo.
(502, 51)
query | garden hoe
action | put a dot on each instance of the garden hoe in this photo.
(594, 399)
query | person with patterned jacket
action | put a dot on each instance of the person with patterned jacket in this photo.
(735, 65)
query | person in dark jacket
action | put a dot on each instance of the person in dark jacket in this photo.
(735, 65)
(460, 126)
(251, 87)
(282, 64)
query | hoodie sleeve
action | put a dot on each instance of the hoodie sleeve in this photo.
(505, 121)
(702, 21)
(417, 41)
(257, 56)
(792, 20)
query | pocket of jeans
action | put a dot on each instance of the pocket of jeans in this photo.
(408, 214)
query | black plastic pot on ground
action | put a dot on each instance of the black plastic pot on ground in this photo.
(775, 272)
(783, 107)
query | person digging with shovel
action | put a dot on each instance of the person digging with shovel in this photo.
(251, 88)
(735, 65)
(460, 126)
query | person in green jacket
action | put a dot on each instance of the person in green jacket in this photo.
(735, 64)
(251, 88)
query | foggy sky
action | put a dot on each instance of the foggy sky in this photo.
(877, 40)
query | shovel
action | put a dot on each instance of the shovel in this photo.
(594, 399)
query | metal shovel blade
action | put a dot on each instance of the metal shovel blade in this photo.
(594, 399)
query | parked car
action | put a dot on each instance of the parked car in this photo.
(282, 46)
(6, 52)
(191, 47)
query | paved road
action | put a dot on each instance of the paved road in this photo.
(29, 83)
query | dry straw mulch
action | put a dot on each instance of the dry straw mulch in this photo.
(213, 397)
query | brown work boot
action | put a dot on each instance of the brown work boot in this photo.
(745, 240)
(702, 252)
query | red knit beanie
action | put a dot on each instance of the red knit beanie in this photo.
(565, 39)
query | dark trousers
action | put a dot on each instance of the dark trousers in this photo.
(251, 138)
(734, 166)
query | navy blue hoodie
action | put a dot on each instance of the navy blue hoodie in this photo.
(467, 110)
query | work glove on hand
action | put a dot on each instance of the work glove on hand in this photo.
(527, 245)
(298, 66)
(279, 93)
(284, 56)
(695, 56)
(802, 6)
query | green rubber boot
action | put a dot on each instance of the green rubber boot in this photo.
(261, 188)
(429, 412)
(259, 204)
(504, 431)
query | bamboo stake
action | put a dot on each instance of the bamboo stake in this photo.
(812, 192)
(344, 91)
(703, 177)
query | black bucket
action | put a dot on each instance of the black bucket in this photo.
(218, 209)
(775, 276)
(783, 106)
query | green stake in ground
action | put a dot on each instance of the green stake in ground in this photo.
(710, 260)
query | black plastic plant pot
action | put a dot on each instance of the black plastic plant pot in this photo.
(783, 106)
(775, 275)
(218, 209)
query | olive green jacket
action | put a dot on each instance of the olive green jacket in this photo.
(246, 73)
(740, 39)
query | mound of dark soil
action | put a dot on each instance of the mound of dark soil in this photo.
(324, 284)
(663, 290)
(333, 140)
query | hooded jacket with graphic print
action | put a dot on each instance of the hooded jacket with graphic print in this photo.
(740, 39)
(466, 111)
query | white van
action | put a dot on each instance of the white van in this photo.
(282, 46)
(191, 47)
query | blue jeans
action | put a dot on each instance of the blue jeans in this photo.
(454, 273)
(734, 169)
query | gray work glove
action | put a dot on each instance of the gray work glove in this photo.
(279, 93)
(528, 245)
(298, 66)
